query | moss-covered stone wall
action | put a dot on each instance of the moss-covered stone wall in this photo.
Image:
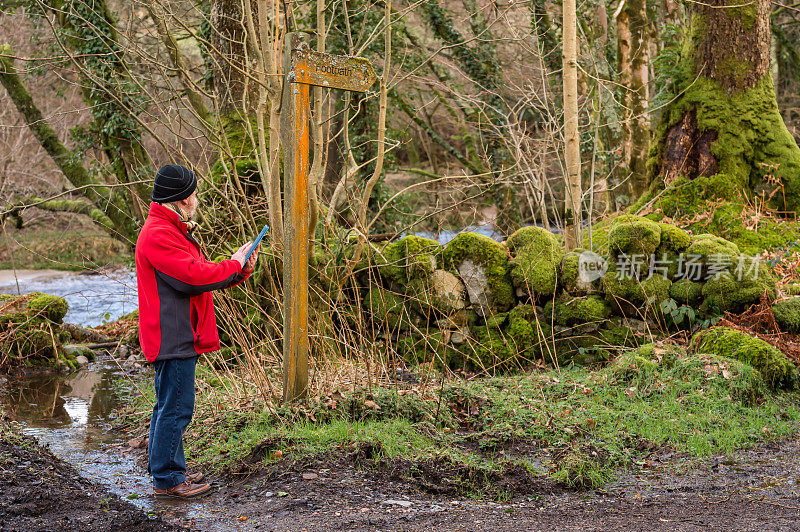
(484, 305)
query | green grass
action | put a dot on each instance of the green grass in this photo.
(74, 249)
(10, 433)
(590, 421)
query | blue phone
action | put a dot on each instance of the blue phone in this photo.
(261, 235)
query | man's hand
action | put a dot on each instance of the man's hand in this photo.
(241, 253)
(251, 262)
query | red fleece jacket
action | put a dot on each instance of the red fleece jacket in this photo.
(176, 309)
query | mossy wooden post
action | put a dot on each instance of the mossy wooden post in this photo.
(295, 133)
(304, 67)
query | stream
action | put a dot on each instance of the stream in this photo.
(72, 414)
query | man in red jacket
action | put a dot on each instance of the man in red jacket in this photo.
(176, 319)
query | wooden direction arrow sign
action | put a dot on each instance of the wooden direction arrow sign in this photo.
(332, 71)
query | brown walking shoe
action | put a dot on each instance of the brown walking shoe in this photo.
(185, 490)
(194, 478)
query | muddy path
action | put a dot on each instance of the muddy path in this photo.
(750, 490)
(105, 486)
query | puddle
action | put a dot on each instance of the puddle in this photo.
(72, 416)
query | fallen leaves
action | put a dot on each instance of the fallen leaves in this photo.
(138, 443)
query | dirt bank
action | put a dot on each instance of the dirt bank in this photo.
(40, 492)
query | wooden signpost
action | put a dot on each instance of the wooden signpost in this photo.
(304, 67)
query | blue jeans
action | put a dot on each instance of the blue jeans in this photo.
(171, 414)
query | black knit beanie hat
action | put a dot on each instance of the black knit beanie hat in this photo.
(173, 183)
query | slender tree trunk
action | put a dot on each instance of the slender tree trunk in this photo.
(572, 153)
(774, 50)
(726, 126)
(633, 37)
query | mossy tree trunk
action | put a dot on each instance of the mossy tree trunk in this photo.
(105, 212)
(633, 38)
(605, 114)
(725, 122)
(114, 98)
(247, 92)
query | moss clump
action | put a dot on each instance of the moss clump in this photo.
(53, 307)
(654, 290)
(537, 254)
(388, 308)
(599, 236)
(713, 250)
(491, 349)
(723, 214)
(666, 355)
(673, 238)
(30, 325)
(571, 265)
(412, 257)
(739, 289)
(631, 368)
(687, 292)
(569, 270)
(76, 350)
(492, 258)
(496, 321)
(529, 334)
(778, 371)
(651, 364)
(629, 295)
(633, 235)
(568, 311)
(739, 379)
(787, 314)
